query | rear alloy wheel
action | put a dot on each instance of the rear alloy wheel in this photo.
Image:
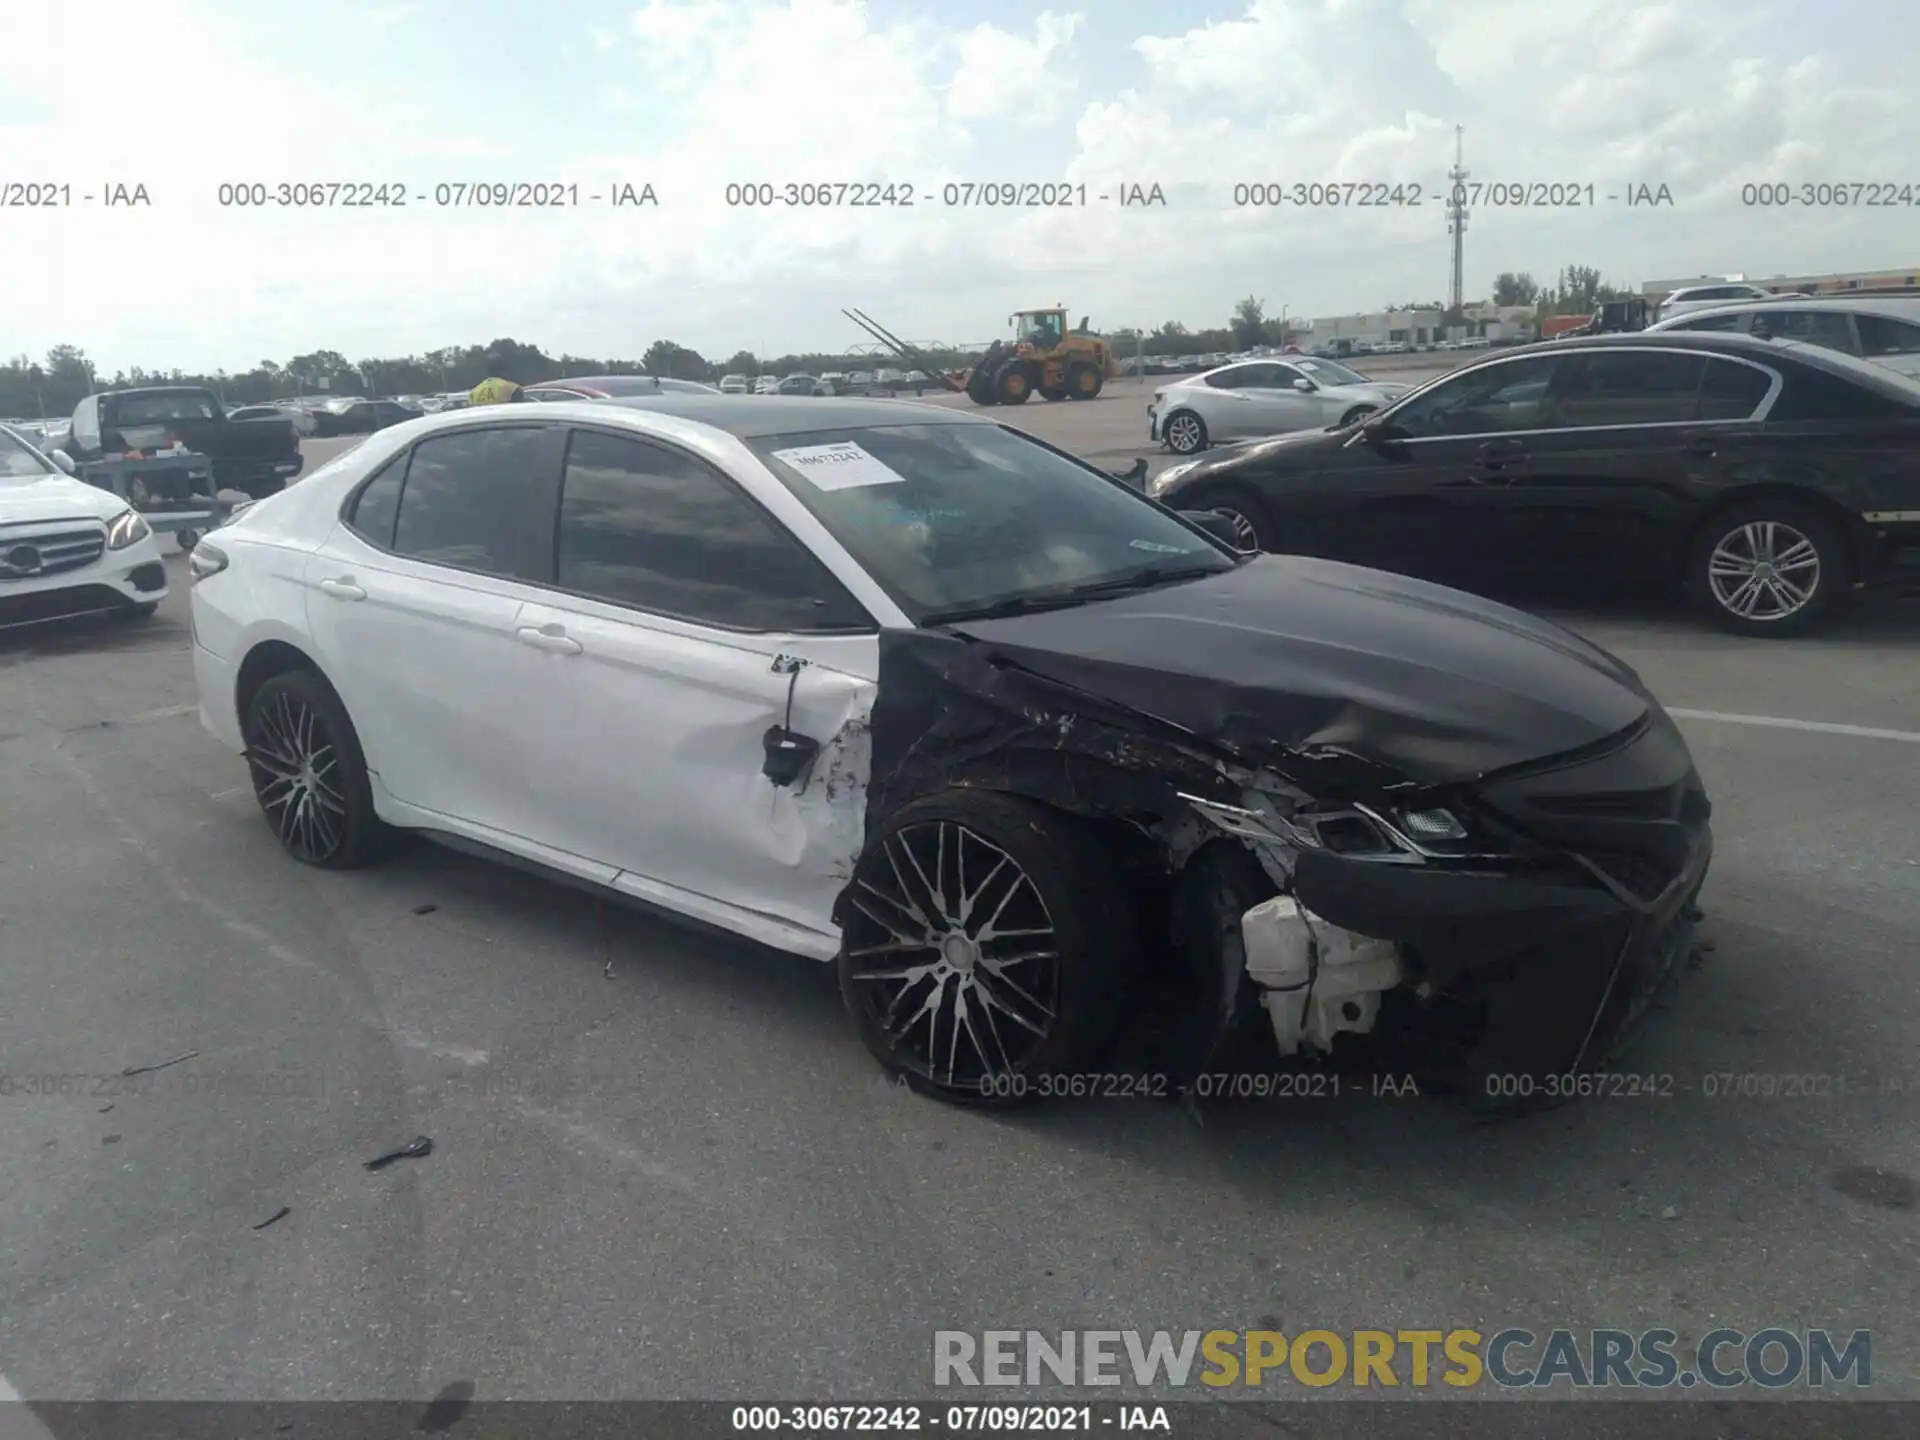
(310, 776)
(987, 951)
(1185, 432)
(1769, 567)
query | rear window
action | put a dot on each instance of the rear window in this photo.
(1812, 394)
(161, 409)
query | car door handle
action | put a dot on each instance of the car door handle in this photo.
(1704, 447)
(342, 590)
(549, 637)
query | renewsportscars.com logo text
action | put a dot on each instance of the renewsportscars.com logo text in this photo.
(1772, 1358)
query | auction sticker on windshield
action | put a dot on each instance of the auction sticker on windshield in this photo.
(844, 466)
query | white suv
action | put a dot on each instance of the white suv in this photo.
(67, 547)
(1704, 297)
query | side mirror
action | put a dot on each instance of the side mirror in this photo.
(1215, 524)
(1305, 386)
(63, 460)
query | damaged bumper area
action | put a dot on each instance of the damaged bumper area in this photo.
(1521, 936)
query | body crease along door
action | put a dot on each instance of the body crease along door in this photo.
(649, 755)
(425, 659)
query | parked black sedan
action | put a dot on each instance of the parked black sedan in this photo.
(1770, 479)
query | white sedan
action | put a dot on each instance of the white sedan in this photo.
(895, 686)
(69, 548)
(1260, 398)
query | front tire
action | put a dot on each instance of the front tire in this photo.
(1253, 528)
(1085, 383)
(988, 950)
(1769, 567)
(1186, 433)
(1357, 413)
(310, 775)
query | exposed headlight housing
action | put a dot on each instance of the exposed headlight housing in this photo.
(1406, 836)
(127, 528)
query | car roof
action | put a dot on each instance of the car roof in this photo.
(1745, 347)
(747, 419)
(1903, 306)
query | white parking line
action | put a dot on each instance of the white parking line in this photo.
(17, 1422)
(1817, 727)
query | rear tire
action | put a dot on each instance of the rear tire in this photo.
(310, 775)
(1769, 567)
(1356, 413)
(1185, 433)
(1084, 382)
(962, 1010)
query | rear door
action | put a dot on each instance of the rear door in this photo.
(680, 626)
(412, 603)
(1257, 399)
(1638, 437)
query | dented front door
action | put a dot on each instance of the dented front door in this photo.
(653, 754)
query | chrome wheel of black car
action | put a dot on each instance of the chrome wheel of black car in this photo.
(309, 774)
(1764, 571)
(296, 775)
(957, 956)
(1245, 536)
(1769, 567)
(984, 947)
(1186, 433)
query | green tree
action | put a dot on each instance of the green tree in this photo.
(1249, 323)
(1510, 288)
(743, 362)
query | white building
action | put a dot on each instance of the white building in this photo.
(1422, 327)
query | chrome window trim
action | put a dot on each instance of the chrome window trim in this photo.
(1776, 382)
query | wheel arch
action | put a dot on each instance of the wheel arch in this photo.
(1844, 521)
(266, 659)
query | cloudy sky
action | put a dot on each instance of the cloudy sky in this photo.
(689, 96)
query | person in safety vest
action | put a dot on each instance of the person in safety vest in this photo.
(493, 390)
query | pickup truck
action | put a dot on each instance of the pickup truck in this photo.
(258, 457)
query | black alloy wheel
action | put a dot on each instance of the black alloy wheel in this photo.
(309, 774)
(987, 952)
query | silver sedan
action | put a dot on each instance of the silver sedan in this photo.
(1262, 397)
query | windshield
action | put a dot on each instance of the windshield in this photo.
(162, 409)
(1328, 373)
(952, 518)
(19, 461)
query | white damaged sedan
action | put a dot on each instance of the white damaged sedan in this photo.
(1258, 398)
(1029, 757)
(69, 548)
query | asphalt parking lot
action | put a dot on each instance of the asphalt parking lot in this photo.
(665, 1167)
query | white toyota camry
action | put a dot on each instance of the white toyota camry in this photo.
(69, 548)
(897, 686)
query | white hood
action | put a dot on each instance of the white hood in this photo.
(55, 497)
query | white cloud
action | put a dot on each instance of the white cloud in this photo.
(1702, 95)
(1003, 76)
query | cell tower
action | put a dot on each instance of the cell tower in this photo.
(1457, 216)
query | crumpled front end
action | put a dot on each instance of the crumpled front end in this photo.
(1501, 934)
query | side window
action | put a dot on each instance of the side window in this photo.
(465, 498)
(1509, 395)
(1830, 328)
(1234, 377)
(1881, 335)
(1631, 387)
(1732, 391)
(377, 506)
(1812, 394)
(644, 526)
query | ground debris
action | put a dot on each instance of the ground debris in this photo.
(276, 1217)
(418, 1146)
(149, 1069)
(427, 908)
